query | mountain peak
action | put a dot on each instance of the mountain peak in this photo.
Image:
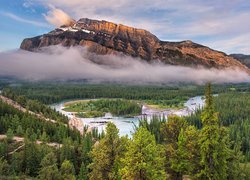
(103, 37)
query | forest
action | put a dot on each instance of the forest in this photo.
(93, 108)
(212, 143)
(234, 112)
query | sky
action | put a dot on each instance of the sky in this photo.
(220, 24)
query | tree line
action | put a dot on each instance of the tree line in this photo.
(35, 106)
(117, 107)
(49, 93)
(234, 113)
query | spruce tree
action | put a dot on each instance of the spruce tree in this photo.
(49, 169)
(67, 170)
(83, 174)
(106, 155)
(143, 158)
(171, 133)
(213, 143)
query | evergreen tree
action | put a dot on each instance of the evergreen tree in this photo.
(67, 170)
(171, 132)
(213, 143)
(67, 150)
(19, 131)
(105, 155)
(16, 163)
(180, 158)
(49, 169)
(191, 135)
(31, 158)
(4, 167)
(143, 159)
(9, 135)
(83, 174)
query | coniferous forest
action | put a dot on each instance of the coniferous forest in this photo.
(213, 143)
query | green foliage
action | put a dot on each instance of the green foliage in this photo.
(83, 174)
(106, 155)
(162, 95)
(90, 114)
(31, 161)
(9, 135)
(234, 112)
(19, 122)
(154, 127)
(35, 106)
(174, 144)
(143, 159)
(4, 167)
(67, 150)
(97, 108)
(180, 158)
(214, 143)
(49, 169)
(19, 130)
(67, 170)
(157, 148)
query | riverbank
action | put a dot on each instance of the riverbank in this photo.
(127, 125)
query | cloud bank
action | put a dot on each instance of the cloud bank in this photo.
(60, 63)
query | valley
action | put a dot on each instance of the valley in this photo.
(124, 123)
(124, 90)
(87, 115)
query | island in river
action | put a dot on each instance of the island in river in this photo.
(126, 124)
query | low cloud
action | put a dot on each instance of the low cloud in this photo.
(60, 63)
(58, 17)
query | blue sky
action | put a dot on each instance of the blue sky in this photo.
(220, 24)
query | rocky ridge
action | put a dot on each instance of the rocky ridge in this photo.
(103, 37)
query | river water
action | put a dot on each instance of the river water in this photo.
(126, 125)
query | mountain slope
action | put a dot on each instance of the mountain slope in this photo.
(104, 37)
(244, 59)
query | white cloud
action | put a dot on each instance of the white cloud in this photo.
(60, 63)
(22, 20)
(169, 19)
(58, 17)
(232, 44)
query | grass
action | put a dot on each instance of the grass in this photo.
(90, 114)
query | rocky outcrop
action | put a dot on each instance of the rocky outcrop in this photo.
(104, 37)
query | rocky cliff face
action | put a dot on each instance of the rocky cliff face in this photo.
(104, 37)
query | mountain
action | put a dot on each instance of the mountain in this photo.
(244, 59)
(104, 37)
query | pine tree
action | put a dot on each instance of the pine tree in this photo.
(31, 158)
(180, 158)
(49, 169)
(143, 159)
(9, 135)
(67, 150)
(67, 170)
(171, 132)
(83, 174)
(19, 130)
(4, 167)
(106, 155)
(213, 143)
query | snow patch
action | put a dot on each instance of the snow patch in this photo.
(86, 31)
